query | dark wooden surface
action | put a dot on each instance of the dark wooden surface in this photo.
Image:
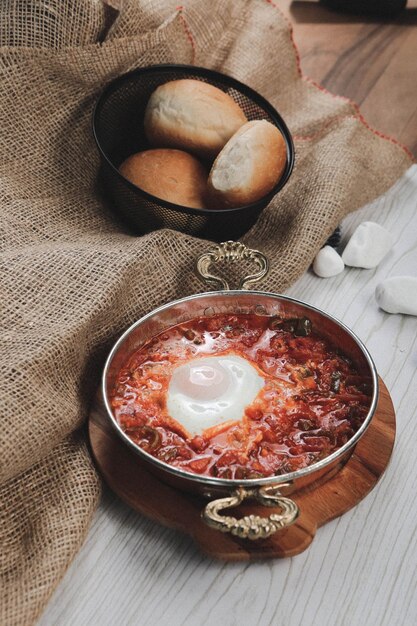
(122, 471)
(371, 61)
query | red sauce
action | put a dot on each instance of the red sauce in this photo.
(312, 403)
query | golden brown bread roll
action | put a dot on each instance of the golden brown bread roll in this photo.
(192, 115)
(172, 175)
(249, 165)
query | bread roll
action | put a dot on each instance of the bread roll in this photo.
(249, 165)
(192, 115)
(172, 175)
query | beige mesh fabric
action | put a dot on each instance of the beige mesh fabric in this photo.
(72, 278)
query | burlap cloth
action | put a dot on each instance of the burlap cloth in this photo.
(72, 278)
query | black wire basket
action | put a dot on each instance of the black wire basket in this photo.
(118, 130)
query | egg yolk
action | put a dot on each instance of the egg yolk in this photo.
(209, 391)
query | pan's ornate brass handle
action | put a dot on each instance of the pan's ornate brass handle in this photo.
(252, 526)
(231, 252)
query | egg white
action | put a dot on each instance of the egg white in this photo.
(212, 390)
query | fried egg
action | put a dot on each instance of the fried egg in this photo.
(212, 390)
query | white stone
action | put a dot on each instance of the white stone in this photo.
(398, 295)
(328, 263)
(368, 245)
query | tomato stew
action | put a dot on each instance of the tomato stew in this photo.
(312, 403)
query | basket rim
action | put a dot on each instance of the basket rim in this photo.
(116, 83)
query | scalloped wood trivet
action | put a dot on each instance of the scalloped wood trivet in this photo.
(319, 503)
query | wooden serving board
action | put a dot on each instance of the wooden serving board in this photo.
(123, 472)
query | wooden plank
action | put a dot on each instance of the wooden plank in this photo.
(372, 62)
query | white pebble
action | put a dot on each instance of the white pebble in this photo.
(368, 245)
(398, 295)
(328, 262)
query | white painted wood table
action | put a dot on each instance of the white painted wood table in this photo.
(359, 570)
